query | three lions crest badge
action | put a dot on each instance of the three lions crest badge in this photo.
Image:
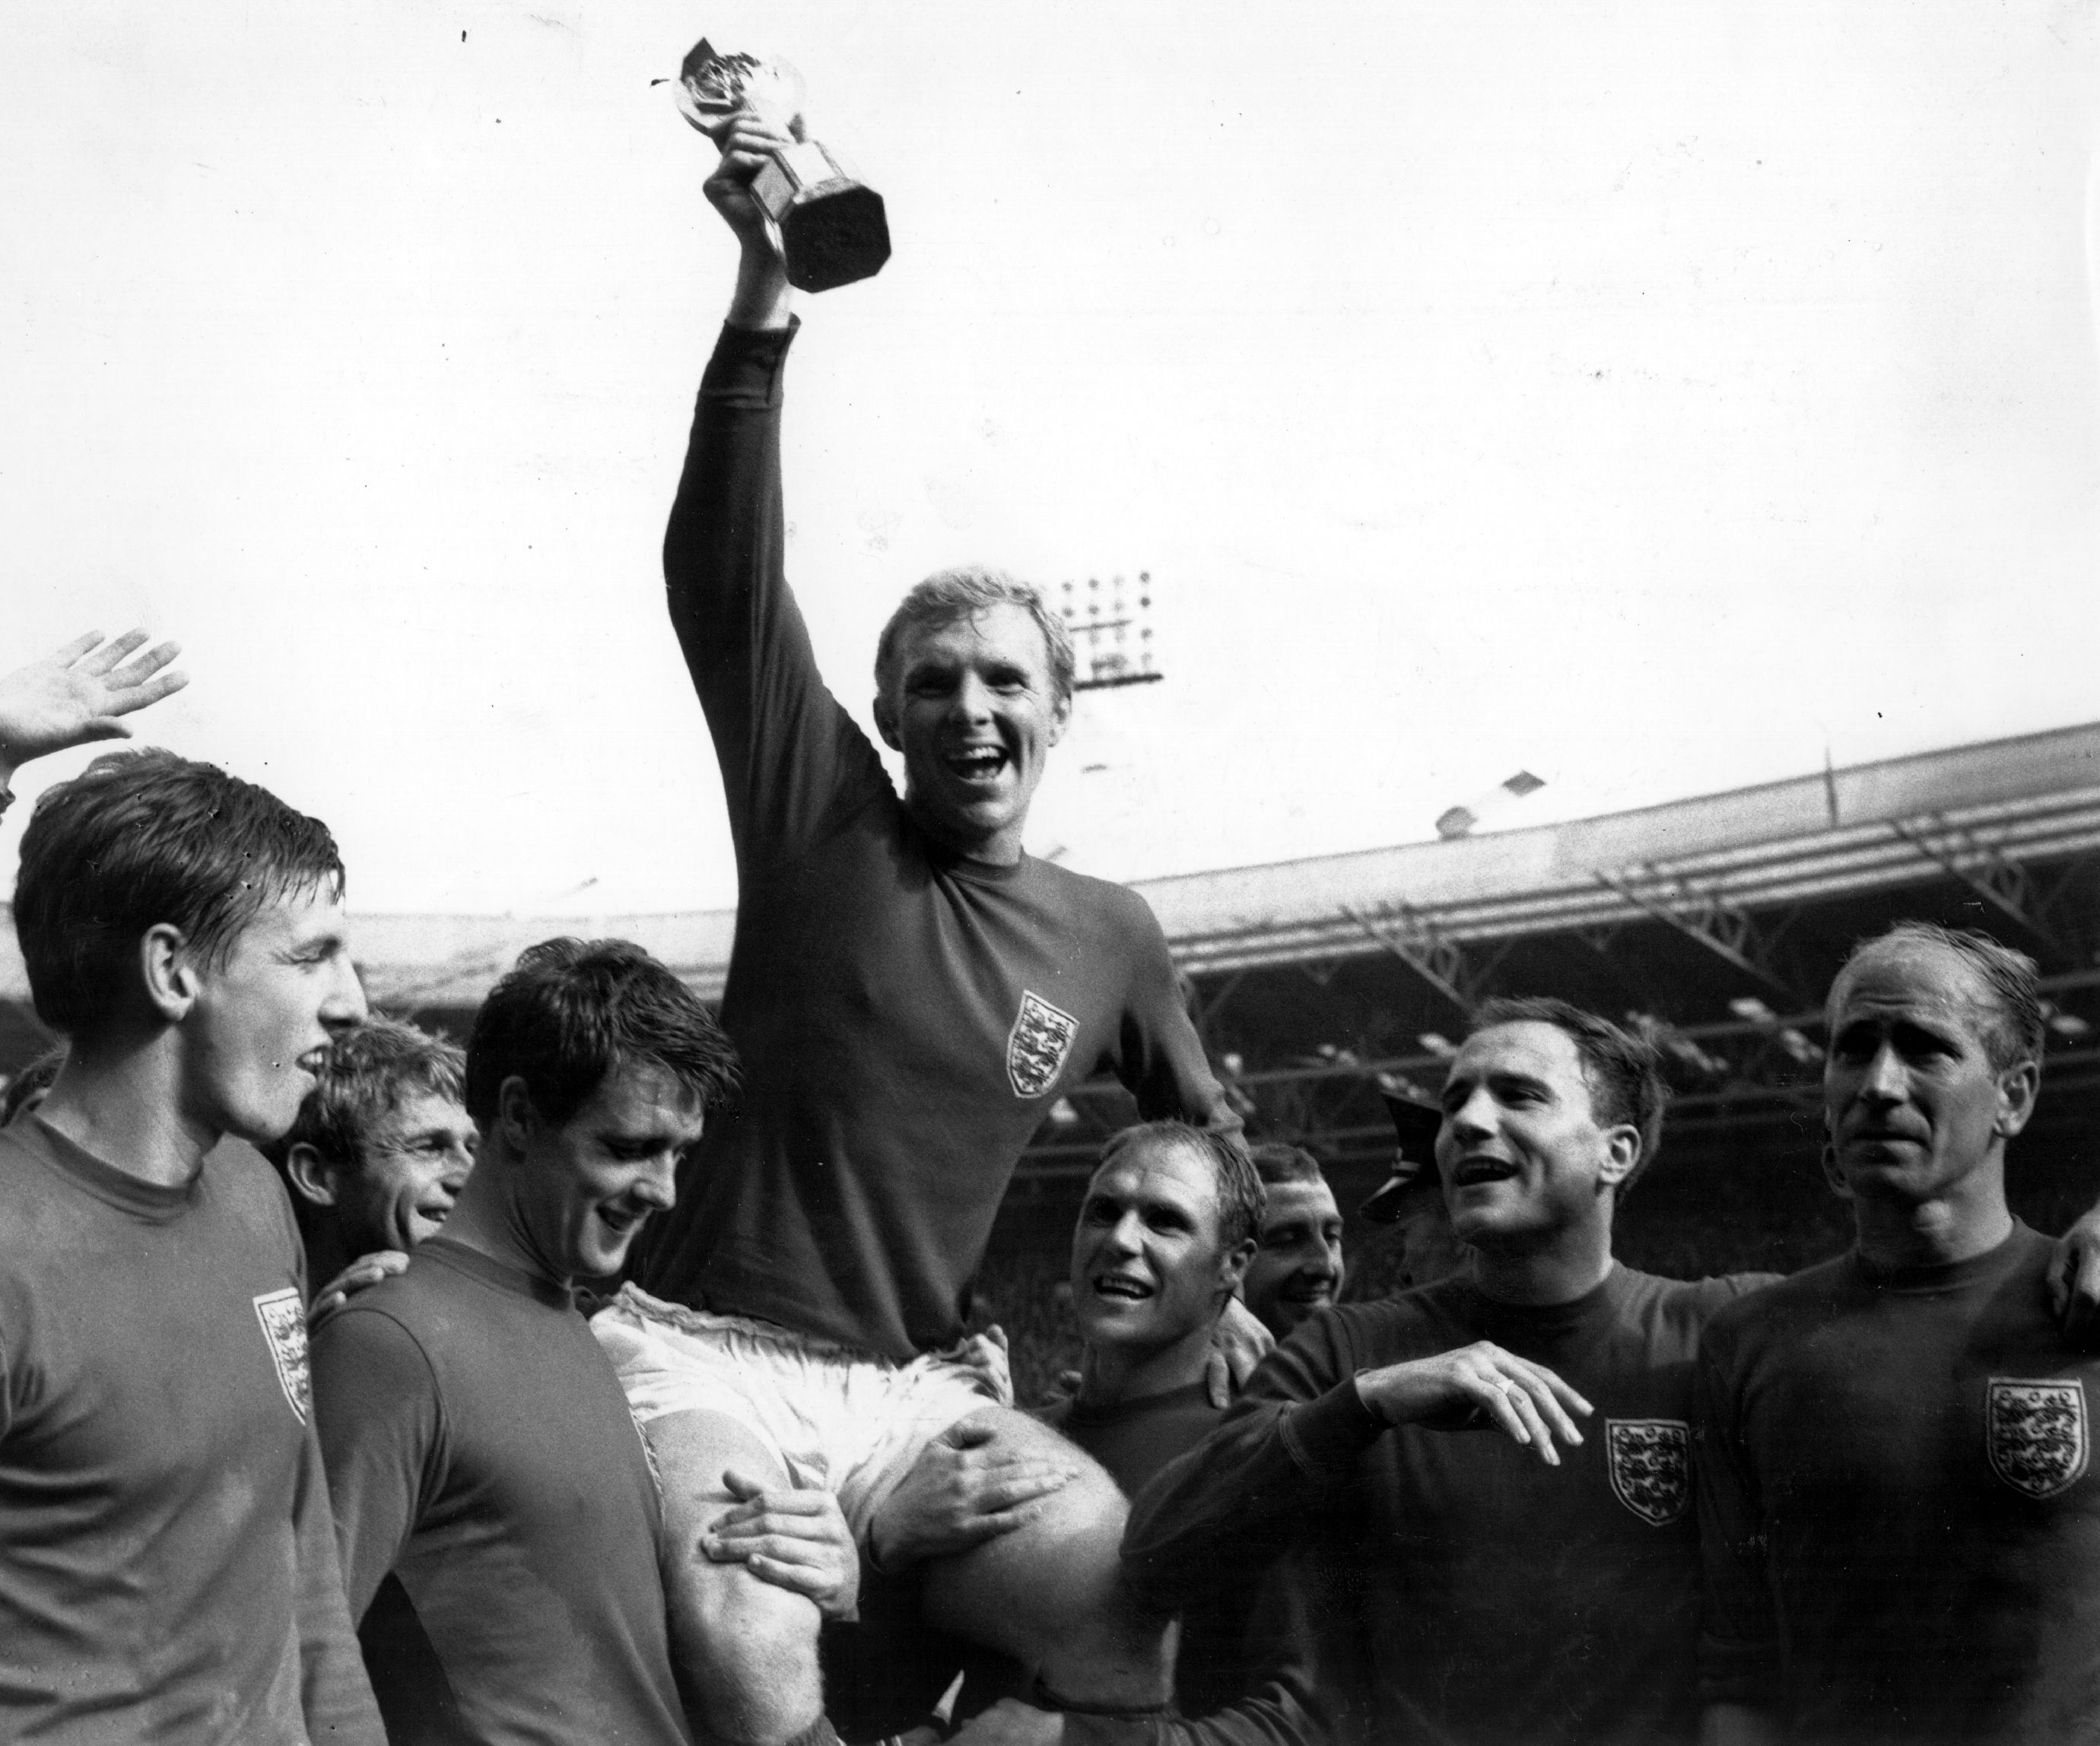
(1651, 1465)
(283, 1315)
(1038, 1045)
(2034, 1431)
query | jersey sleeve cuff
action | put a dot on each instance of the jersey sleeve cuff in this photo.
(749, 364)
(1325, 1436)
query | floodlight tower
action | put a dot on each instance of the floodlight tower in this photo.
(1111, 637)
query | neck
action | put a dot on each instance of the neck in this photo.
(485, 1217)
(123, 1102)
(1110, 1375)
(1558, 1269)
(1957, 1227)
(999, 849)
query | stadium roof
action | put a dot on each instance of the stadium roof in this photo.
(1839, 832)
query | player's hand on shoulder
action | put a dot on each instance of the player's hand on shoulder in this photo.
(1238, 1343)
(963, 1490)
(2074, 1279)
(793, 1536)
(1475, 1387)
(365, 1271)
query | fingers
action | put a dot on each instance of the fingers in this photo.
(1218, 1380)
(968, 1434)
(1528, 1403)
(777, 1506)
(997, 1335)
(750, 136)
(66, 655)
(742, 1485)
(111, 653)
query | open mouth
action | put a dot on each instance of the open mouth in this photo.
(621, 1221)
(1313, 1291)
(977, 764)
(1122, 1287)
(314, 1060)
(1473, 1172)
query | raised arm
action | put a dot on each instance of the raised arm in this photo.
(791, 760)
(77, 695)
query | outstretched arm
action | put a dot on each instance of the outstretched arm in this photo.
(762, 299)
(77, 695)
(793, 762)
(1236, 1500)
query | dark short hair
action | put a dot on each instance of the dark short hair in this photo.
(1276, 1163)
(572, 1011)
(368, 1072)
(948, 595)
(32, 1079)
(1624, 1072)
(143, 838)
(1241, 1200)
(2019, 1031)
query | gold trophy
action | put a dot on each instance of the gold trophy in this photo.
(830, 229)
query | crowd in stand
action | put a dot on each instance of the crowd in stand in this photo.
(610, 1380)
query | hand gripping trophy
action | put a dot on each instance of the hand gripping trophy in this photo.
(830, 229)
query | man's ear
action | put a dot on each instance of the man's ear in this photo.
(886, 722)
(1232, 1265)
(171, 980)
(312, 1178)
(514, 1113)
(1622, 1150)
(1060, 717)
(2018, 1088)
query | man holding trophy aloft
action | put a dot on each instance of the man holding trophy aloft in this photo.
(908, 992)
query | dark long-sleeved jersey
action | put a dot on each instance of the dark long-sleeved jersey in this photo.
(1495, 1598)
(905, 1016)
(1898, 1516)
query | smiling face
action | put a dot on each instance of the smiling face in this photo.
(413, 1164)
(1521, 1154)
(1915, 1108)
(257, 1032)
(580, 1190)
(975, 712)
(1148, 1268)
(1297, 1266)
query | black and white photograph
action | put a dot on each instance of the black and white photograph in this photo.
(1051, 875)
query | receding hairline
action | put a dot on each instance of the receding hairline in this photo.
(1982, 997)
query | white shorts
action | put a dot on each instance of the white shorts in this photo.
(834, 1417)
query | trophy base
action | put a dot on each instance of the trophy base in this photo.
(833, 230)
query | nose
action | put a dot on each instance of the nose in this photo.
(657, 1187)
(1885, 1081)
(1123, 1236)
(1470, 1120)
(1326, 1259)
(971, 700)
(459, 1162)
(344, 1007)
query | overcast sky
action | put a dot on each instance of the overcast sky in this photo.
(1651, 394)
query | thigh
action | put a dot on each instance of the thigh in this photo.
(1065, 1558)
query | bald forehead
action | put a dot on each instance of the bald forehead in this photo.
(1919, 971)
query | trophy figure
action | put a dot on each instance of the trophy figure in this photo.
(830, 229)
